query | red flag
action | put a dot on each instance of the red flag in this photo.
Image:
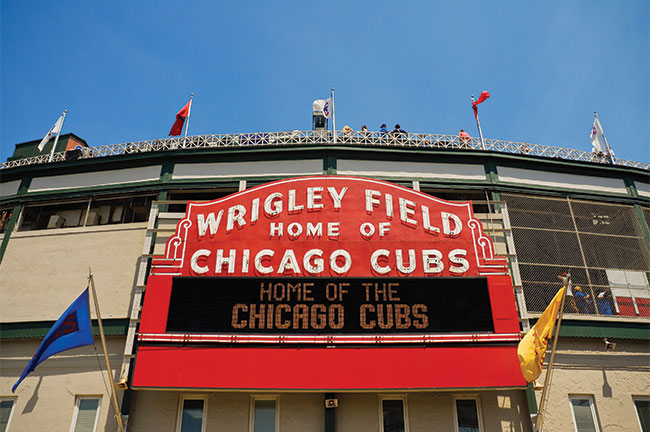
(177, 129)
(484, 95)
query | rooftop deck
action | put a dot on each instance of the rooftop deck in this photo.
(299, 138)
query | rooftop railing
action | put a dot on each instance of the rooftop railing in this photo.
(298, 138)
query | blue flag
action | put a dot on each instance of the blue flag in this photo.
(71, 330)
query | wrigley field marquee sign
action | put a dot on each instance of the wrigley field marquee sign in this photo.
(318, 262)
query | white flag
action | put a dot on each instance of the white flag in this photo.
(324, 106)
(53, 131)
(598, 138)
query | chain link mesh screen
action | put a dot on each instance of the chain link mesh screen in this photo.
(585, 238)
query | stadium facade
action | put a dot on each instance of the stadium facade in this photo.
(281, 281)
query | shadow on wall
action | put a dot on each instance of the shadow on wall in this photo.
(607, 389)
(31, 403)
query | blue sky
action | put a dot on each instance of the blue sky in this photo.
(123, 69)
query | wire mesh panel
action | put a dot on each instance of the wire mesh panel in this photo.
(594, 241)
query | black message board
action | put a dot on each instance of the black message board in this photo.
(329, 305)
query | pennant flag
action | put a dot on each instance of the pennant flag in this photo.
(55, 129)
(532, 348)
(484, 95)
(177, 129)
(324, 106)
(598, 137)
(71, 330)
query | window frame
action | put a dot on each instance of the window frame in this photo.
(592, 405)
(179, 412)
(77, 402)
(13, 408)
(479, 412)
(404, 399)
(636, 410)
(251, 415)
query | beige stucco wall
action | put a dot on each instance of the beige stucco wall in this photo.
(158, 411)
(612, 378)
(503, 411)
(45, 400)
(43, 271)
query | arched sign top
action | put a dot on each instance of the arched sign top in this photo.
(329, 226)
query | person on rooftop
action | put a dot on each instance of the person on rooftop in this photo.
(398, 132)
(347, 130)
(463, 138)
(382, 129)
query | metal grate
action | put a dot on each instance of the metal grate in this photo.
(293, 138)
(586, 238)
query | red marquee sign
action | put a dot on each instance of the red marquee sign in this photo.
(329, 226)
(301, 262)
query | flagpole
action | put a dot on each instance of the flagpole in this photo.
(549, 369)
(333, 116)
(478, 123)
(609, 149)
(187, 124)
(56, 140)
(118, 415)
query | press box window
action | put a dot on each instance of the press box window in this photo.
(642, 406)
(119, 210)
(584, 414)
(6, 411)
(191, 417)
(393, 418)
(264, 416)
(48, 216)
(86, 414)
(467, 415)
(201, 195)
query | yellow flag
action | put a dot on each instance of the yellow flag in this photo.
(532, 347)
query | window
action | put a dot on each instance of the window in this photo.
(630, 292)
(86, 414)
(392, 416)
(201, 195)
(264, 416)
(584, 414)
(88, 212)
(119, 210)
(642, 405)
(467, 415)
(5, 215)
(191, 417)
(6, 410)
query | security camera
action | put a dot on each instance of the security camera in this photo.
(609, 346)
(331, 403)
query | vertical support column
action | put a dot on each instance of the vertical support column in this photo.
(15, 214)
(329, 165)
(330, 414)
(9, 229)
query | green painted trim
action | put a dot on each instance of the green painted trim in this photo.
(329, 165)
(330, 415)
(491, 172)
(38, 329)
(643, 223)
(631, 186)
(10, 229)
(167, 171)
(531, 399)
(24, 186)
(603, 329)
